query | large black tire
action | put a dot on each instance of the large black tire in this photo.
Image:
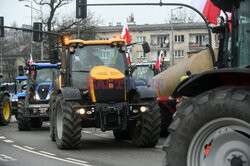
(36, 122)
(5, 111)
(121, 135)
(24, 123)
(166, 119)
(67, 124)
(201, 121)
(52, 106)
(145, 131)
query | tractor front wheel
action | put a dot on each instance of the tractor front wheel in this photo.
(67, 124)
(24, 123)
(145, 131)
(5, 111)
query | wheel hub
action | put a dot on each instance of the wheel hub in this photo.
(228, 141)
(6, 111)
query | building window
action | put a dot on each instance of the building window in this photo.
(179, 53)
(141, 55)
(161, 40)
(179, 38)
(104, 38)
(141, 39)
(200, 39)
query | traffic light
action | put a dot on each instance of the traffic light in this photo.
(1, 27)
(20, 70)
(38, 36)
(81, 9)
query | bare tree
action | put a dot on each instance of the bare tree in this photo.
(184, 15)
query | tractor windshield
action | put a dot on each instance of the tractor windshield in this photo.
(242, 35)
(44, 75)
(143, 72)
(20, 83)
(84, 59)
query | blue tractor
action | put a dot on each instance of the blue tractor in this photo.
(19, 92)
(33, 108)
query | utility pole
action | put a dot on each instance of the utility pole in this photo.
(172, 29)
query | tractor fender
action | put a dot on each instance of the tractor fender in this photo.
(145, 92)
(71, 93)
(208, 80)
(3, 94)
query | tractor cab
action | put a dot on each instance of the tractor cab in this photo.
(143, 72)
(20, 82)
(40, 81)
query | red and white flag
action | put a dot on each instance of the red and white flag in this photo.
(31, 60)
(128, 56)
(125, 33)
(158, 62)
(30, 63)
(207, 8)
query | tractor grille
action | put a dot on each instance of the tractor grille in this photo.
(109, 90)
(43, 91)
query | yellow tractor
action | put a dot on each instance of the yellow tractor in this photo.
(96, 89)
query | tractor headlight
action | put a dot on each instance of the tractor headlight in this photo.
(81, 111)
(48, 97)
(143, 108)
(36, 97)
(14, 100)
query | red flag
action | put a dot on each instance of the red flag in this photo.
(158, 62)
(125, 33)
(208, 10)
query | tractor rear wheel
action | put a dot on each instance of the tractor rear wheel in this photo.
(212, 128)
(145, 131)
(5, 111)
(67, 124)
(24, 123)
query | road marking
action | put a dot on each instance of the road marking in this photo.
(3, 157)
(28, 147)
(47, 153)
(52, 157)
(87, 132)
(2, 137)
(77, 160)
(8, 141)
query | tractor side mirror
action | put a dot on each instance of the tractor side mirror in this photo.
(54, 56)
(24, 87)
(145, 47)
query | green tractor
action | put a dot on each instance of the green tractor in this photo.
(212, 123)
(5, 106)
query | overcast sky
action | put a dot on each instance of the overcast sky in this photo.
(15, 11)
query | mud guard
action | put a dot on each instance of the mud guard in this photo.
(205, 81)
(71, 93)
(145, 92)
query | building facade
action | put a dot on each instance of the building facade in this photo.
(186, 37)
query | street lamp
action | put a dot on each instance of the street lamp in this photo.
(173, 33)
(31, 22)
(42, 40)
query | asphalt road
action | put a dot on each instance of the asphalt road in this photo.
(34, 148)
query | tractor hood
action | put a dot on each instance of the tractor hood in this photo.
(107, 84)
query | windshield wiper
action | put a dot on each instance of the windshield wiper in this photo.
(81, 70)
